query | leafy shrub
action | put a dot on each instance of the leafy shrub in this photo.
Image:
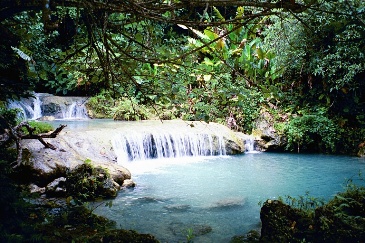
(312, 132)
(101, 106)
(130, 110)
(8, 116)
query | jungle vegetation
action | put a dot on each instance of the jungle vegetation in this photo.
(303, 61)
(198, 60)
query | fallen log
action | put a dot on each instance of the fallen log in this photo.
(42, 135)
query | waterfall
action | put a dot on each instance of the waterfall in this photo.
(49, 105)
(249, 142)
(166, 143)
(74, 111)
(29, 108)
(37, 111)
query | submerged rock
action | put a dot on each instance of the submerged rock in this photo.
(227, 203)
(143, 200)
(182, 231)
(178, 208)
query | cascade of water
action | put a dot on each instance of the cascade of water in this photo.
(249, 142)
(166, 144)
(37, 111)
(29, 108)
(74, 111)
(62, 107)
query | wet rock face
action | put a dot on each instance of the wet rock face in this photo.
(52, 109)
(57, 106)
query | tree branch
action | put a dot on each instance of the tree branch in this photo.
(15, 134)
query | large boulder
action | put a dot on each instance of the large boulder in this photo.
(270, 139)
(73, 149)
(282, 223)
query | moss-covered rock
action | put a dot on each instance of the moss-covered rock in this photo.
(281, 223)
(340, 220)
(88, 183)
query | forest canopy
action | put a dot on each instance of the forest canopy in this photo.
(202, 59)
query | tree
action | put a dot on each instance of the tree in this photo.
(105, 42)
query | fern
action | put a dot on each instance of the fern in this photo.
(218, 14)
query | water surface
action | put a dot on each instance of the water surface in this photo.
(218, 197)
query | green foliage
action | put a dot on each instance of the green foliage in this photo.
(310, 60)
(322, 54)
(39, 127)
(101, 106)
(8, 118)
(189, 235)
(306, 203)
(343, 218)
(130, 110)
(309, 219)
(312, 132)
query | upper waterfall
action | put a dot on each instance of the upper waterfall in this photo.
(29, 108)
(50, 105)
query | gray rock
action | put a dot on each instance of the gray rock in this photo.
(73, 149)
(110, 188)
(33, 188)
(270, 138)
(56, 187)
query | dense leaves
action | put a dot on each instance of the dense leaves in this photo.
(197, 61)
